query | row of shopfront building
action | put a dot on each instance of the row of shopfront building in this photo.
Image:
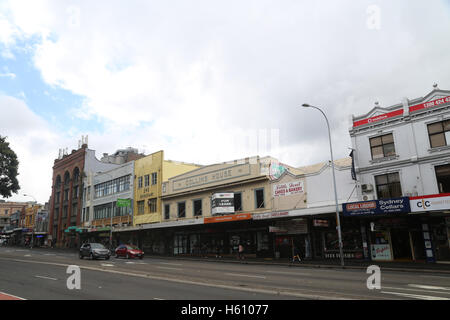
(393, 193)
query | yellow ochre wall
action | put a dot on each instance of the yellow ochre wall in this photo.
(165, 169)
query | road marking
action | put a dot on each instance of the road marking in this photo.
(171, 264)
(7, 296)
(130, 262)
(168, 268)
(27, 255)
(245, 275)
(417, 290)
(415, 296)
(49, 254)
(107, 265)
(440, 277)
(158, 299)
(42, 277)
(288, 273)
(427, 287)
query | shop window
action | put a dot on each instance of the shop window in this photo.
(197, 207)
(388, 186)
(152, 205)
(167, 211)
(154, 178)
(439, 134)
(259, 197)
(141, 207)
(238, 201)
(147, 180)
(181, 209)
(443, 178)
(382, 146)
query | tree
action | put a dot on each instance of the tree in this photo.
(8, 169)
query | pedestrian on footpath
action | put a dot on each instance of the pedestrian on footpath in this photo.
(241, 252)
(296, 254)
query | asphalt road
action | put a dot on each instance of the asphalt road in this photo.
(38, 274)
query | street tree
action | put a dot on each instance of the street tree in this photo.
(8, 169)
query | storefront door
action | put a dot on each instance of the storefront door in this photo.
(401, 246)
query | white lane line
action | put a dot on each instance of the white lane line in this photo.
(49, 254)
(427, 287)
(130, 262)
(48, 278)
(416, 290)
(168, 268)
(27, 255)
(289, 273)
(415, 296)
(157, 299)
(170, 264)
(245, 275)
(107, 265)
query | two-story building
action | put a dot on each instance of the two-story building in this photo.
(402, 161)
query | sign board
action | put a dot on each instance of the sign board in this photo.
(381, 252)
(288, 189)
(123, 203)
(222, 203)
(429, 104)
(270, 215)
(276, 170)
(233, 217)
(294, 226)
(320, 223)
(430, 202)
(376, 207)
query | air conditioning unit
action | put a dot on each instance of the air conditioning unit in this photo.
(368, 197)
(367, 187)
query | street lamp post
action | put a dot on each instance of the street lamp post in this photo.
(34, 222)
(338, 223)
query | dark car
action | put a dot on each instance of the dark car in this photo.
(94, 251)
(129, 251)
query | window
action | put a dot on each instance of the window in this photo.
(167, 211)
(64, 215)
(154, 178)
(443, 178)
(238, 201)
(140, 182)
(75, 192)
(58, 196)
(439, 134)
(388, 186)
(197, 207)
(152, 205)
(141, 207)
(181, 209)
(147, 180)
(382, 146)
(259, 198)
(66, 194)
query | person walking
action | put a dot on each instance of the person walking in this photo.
(296, 254)
(241, 251)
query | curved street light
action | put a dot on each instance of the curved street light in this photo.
(338, 222)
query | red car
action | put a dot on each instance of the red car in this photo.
(129, 251)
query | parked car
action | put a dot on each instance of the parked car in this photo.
(94, 251)
(129, 251)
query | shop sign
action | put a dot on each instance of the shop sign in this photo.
(381, 252)
(430, 202)
(320, 223)
(377, 118)
(123, 203)
(270, 215)
(277, 229)
(294, 226)
(222, 203)
(233, 217)
(288, 189)
(374, 207)
(429, 104)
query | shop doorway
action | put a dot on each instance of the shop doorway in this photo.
(401, 244)
(418, 245)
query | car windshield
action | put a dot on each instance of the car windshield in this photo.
(132, 248)
(97, 246)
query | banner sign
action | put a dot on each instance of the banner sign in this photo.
(123, 203)
(374, 207)
(222, 203)
(288, 189)
(430, 202)
(377, 118)
(233, 217)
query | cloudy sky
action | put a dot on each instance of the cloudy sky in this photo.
(207, 81)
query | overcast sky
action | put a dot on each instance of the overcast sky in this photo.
(207, 81)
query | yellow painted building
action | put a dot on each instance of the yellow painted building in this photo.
(30, 216)
(149, 174)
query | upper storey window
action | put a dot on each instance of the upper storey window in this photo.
(439, 134)
(382, 146)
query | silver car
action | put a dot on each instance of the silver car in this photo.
(94, 251)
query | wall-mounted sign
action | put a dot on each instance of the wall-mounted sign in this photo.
(233, 217)
(320, 223)
(276, 170)
(270, 215)
(377, 118)
(222, 203)
(430, 202)
(288, 189)
(429, 104)
(123, 203)
(374, 207)
(381, 252)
